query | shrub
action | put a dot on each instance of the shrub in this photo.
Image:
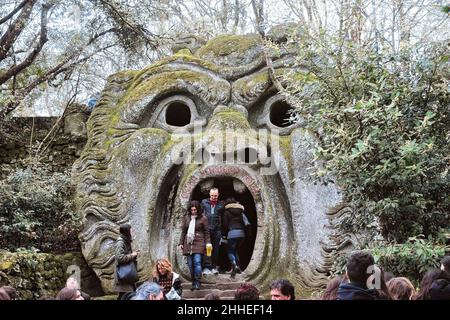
(411, 259)
(35, 211)
(382, 120)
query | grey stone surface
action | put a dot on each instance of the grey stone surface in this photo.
(137, 171)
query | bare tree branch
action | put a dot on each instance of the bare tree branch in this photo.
(12, 13)
(258, 10)
(33, 54)
(15, 29)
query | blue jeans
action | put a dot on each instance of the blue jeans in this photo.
(194, 262)
(211, 262)
(233, 245)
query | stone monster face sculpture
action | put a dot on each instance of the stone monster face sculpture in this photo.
(165, 135)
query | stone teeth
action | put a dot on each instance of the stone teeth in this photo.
(206, 185)
(239, 186)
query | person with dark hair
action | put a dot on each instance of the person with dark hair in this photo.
(445, 264)
(426, 283)
(72, 283)
(164, 275)
(213, 210)
(69, 294)
(401, 289)
(124, 254)
(194, 238)
(212, 296)
(246, 291)
(331, 290)
(282, 290)
(233, 230)
(358, 264)
(440, 287)
(12, 292)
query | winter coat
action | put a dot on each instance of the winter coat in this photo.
(232, 218)
(440, 288)
(214, 220)
(356, 291)
(201, 238)
(123, 256)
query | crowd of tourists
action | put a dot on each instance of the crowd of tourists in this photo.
(208, 225)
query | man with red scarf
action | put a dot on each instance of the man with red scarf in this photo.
(213, 210)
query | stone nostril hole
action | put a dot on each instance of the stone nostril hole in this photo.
(265, 155)
(202, 156)
(248, 155)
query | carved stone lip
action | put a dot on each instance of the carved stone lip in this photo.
(240, 172)
(261, 198)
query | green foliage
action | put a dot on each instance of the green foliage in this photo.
(35, 212)
(411, 259)
(383, 124)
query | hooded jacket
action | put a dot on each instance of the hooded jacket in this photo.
(355, 291)
(440, 288)
(232, 218)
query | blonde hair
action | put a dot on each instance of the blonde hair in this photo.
(165, 264)
(401, 288)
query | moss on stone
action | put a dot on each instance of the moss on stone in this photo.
(183, 52)
(227, 44)
(286, 150)
(35, 274)
(162, 82)
(260, 79)
(229, 119)
(188, 171)
(303, 76)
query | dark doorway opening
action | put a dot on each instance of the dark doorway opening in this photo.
(226, 190)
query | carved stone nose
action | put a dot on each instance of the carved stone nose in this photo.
(229, 118)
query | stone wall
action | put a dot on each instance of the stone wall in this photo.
(38, 274)
(41, 274)
(65, 147)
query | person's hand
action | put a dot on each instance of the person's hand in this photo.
(180, 246)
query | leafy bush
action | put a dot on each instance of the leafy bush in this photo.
(35, 211)
(410, 259)
(382, 121)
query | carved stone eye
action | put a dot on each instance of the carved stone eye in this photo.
(175, 112)
(278, 114)
(178, 114)
(281, 114)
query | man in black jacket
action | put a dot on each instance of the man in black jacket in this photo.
(213, 210)
(357, 272)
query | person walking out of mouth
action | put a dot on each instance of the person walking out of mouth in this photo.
(194, 238)
(213, 209)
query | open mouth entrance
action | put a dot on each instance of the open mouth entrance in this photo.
(226, 190)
